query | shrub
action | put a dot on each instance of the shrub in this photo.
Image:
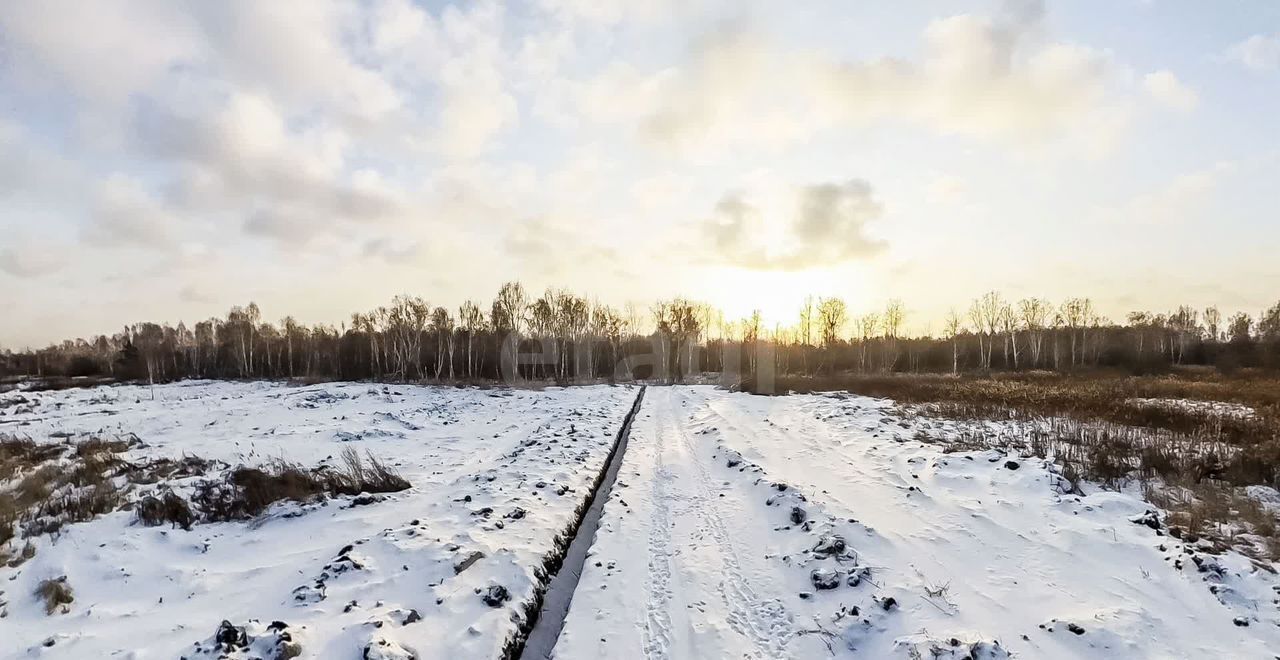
(167, 508)
(54, 484)
(55, 593)
(248, 492)
(358, 478)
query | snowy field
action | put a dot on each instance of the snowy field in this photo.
(813, 526)
(804, 526)
(493, 472)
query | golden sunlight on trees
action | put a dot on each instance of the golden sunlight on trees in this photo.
(565, 337)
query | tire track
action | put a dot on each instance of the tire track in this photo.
(765, 623)
(657, 632)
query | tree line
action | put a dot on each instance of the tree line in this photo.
(564, 337)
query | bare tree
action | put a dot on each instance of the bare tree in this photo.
(1212, 322)
(1240, 328)
(866, 327)
(472, 320)
(148, 338)
(508, 318)
(895, 314)
(1076, 314)
(952, 328)
(442, 327)
(832, 315)
(1009, 326)
(985, 313)
(1035, 316)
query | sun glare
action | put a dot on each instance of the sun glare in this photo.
(778, 295)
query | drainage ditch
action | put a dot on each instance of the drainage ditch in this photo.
(554, 603)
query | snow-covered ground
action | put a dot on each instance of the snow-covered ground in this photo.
(492, 471)
(732, 512)
(739, 527)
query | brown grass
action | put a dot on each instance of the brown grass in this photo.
(56, 594)
(376, 477)
(21, 453)
(247, 492)
(1191, 461)
(46, 486)
(165, 508)
(1241, 449)
(50, 485)
(1100, 396)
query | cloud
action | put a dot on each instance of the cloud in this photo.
(31, 260)
(103, 51)
(249, 114)
(289, 226)
(983, 78)
(125, 213)
(244, 157)
(731, 222)
(393, 251)
(30, 169)
(240, 143)
(1260, 52)
(458, 58)
(610, 12)
(1185, 198)
(826, 225)
(995, 78)
(1165, 87)
(195, 294)
(552, 248)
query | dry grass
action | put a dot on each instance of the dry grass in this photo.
(357, 477)
(1227, 517)
(1099, 396)
(1100, 411)
(27, 552)
(46, 486)
(1192, 461)
(247, 492)
(17, 454)
(165, 508)
(52, 485)
(56, 594)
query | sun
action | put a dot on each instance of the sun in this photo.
(778, 295)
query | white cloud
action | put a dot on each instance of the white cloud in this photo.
(125, 213)
(1165, 87)
(1186, 198)
(30, 169)
(297, 53)
(286, 183)
(392, 250)
(825, 224)
(230, 143)
(992, 78)
(29, 260)
(195, 294)
(101, 51)
(460, 59)
(610, 12)
(1261, 52)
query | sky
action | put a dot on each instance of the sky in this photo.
(167, 159)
